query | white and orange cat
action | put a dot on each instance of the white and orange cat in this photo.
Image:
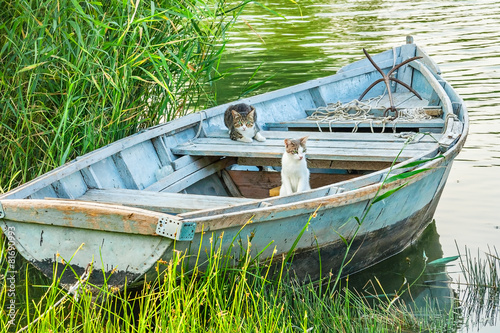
(294, 171)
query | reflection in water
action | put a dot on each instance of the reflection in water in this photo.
(430, 284)
(316, 38)
(481, 292)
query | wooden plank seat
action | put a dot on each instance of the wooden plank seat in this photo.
(341, 147)
(435, 125)
(173, 203)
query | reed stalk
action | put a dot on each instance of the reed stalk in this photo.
(75, 76)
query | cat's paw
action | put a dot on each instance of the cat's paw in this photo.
(259, 137)
(244, 139)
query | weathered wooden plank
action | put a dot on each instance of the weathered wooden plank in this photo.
(345, 154)
(305, 100)
(46, 192)
(74, 185)
(124, 172)
(83, 215)
(164, 154)
(90, 178)
(305, 123)
(100, 155)
(319, 164)
(161, 201)
(198, 175)
(405, 72)
(311, 143)
(279, 109)
(185, 170)
(333, 136)
(140, 163)
(229, 183)
(106, 174)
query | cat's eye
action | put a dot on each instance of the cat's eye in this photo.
(304, 150)
(295, 151)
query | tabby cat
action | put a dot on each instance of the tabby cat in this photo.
(294, 171)
(241, 119)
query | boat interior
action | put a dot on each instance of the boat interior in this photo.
(209, 173)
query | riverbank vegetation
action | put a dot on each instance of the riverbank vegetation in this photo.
(76, 75)
(226, 294)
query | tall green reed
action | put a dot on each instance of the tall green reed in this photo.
(75, 76)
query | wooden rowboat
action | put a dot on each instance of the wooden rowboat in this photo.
(127, 205)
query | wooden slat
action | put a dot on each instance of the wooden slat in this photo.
(83, 215)
(305, 123)
(231, 186)
(366, 153)
(198, 175)
(160, 201)
(335, 136)
(405, 73)
(311, 143)
(181, 173)
(319, 164)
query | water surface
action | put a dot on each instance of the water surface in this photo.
(316, 38)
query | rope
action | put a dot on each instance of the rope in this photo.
(203, 116)
(359, 112)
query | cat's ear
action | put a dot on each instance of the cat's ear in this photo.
(287, 142)
(252, 108)
(303, 140)
(251, 114)
(235, 113)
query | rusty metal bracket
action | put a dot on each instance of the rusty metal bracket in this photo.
(175, 229)
(2, 212)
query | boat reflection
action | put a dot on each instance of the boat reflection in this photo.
(407, 275)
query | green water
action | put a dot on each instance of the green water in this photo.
(312, 39)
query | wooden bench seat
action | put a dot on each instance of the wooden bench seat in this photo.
(173, 203)
(432, 125)
(350, 147)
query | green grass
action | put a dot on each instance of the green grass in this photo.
(77, 75)
(216, 297)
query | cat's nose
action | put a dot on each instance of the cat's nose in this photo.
(301, 157)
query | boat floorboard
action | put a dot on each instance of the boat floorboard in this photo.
(161, 201)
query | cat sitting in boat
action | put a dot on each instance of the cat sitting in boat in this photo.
(241, 119)
(294, 171)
